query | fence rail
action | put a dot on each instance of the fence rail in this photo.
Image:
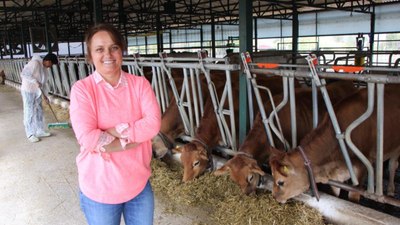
(189, 96)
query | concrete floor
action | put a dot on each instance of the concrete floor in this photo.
(38, 181)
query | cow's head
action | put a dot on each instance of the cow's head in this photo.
(194, 158)
(290, 176)
(244, 171)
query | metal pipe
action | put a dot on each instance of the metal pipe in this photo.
(154, 82)
(188, 102)
(314, 103)
(245, 60)
(185, 119)
(231, 110)
(377, 198)
(278, 131)
(352, 126)
(376, 78)
(379, 138)
(250, 102)
(292, 112)
(197, 115)
(218, 107)
(335, 123)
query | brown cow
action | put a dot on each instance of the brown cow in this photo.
(244, 168)
(196, 155)
(322, 148)
(171, 122)
(172, 126)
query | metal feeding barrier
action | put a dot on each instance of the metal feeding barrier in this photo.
(189, 97)
(375, 177)
(255, 88)
(181, 78)
(151, 68)
(163, 72)
(224, 104)
(271, 122)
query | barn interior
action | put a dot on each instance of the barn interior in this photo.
(316, 40)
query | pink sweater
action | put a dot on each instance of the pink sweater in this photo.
(94, 107)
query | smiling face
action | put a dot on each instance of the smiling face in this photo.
(106, 56)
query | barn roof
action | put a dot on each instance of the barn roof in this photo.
(68, 19)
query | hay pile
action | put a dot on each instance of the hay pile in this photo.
(224, 200)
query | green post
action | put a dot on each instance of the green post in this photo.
(98, 13)
(245, 44)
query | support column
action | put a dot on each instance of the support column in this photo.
(159, 35)
(245, 44)
(295, 32)
(97, 10)
(46, 31)
(213, 54)
(372, 37)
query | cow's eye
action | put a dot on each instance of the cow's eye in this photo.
(250, 178)
(196, 163)
(280, 183)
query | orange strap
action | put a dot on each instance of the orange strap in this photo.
(348, 69)
(268, 65)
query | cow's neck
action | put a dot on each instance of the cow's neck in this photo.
(256, 142)
(208, 131)
(321, 147)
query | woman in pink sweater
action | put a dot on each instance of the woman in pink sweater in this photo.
(114, 116)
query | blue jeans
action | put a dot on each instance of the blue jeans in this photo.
(137, 211)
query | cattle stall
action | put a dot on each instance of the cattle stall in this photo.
(76, 68)
(188, 93)
(374, 82)
(160, 71)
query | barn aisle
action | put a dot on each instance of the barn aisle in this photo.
(38, 181)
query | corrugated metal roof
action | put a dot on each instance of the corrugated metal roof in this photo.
(68, 19)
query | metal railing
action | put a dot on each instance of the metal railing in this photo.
(188, 95)
(375, 186)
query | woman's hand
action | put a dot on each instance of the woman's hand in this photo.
(115, 146)
(114, 132)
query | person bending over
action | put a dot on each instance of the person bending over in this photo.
(34, 78)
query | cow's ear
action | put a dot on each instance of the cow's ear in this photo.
(258, 170)
(177, 149)
(275, 153)
(203, 155)
(223, 170)
(279, 166)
